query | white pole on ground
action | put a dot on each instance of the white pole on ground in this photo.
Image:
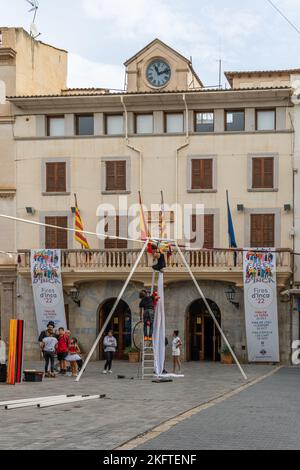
(15, 406)
(211, 312)
(112, 311)
(67, 401)
(28, 400)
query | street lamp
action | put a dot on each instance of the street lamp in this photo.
(230, 293)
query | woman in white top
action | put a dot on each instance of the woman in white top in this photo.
(176, 345)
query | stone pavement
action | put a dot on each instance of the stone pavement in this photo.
(132, 406)
(265, 416)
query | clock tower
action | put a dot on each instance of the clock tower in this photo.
(158, 67)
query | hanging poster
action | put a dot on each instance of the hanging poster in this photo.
(261, 315)
(47, 288)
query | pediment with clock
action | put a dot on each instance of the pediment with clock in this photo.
(158, 67)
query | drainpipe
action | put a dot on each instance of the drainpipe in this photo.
(131, 147)
(186, 144)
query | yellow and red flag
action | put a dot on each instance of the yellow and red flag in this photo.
(145, 234)
(79, 236)
(143, 224)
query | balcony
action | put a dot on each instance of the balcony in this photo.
(80, 266)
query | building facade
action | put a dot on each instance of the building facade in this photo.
(26, 67)
(165, 132)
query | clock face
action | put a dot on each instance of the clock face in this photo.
(158, 73)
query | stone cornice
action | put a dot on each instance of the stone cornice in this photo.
(7, 53)
(7, 193)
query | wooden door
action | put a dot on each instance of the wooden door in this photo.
(197, 338)
(204, 338)
(116, 226)
(121, 326)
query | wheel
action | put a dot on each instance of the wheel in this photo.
(137, 335)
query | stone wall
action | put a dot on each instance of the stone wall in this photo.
(84, 321)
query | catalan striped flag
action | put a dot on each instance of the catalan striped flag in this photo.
(79, 236)
(145, 234)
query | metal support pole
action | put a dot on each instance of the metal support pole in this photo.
(211, 312)
(112, 311)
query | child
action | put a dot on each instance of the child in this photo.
(176, 344)
(62, 350)
(73, 356)
(49, 344)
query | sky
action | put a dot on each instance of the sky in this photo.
(101, 34)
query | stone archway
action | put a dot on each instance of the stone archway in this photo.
(203, 340)
(121, 324)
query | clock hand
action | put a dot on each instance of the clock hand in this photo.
(164, 71)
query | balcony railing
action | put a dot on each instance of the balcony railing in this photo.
(123, 260)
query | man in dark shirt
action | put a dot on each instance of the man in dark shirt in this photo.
(50, 329)
(147, 314)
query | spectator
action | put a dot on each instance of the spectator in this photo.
(73, 356)
(62, 350)
(50, 329)
(176, 344)
(110, 346)
(49, 344)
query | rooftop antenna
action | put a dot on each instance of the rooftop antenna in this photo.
(220, 64)
(34, 7)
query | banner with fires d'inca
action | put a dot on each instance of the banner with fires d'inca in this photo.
(261, 314)
(47, 288)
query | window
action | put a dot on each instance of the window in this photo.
(262, 230)
(208, 238)
(174, 123)
(56, 177)
(54, 237)
(114, 124)
(202, 174)
(85, 124)
(116, 226)
(55, 126)
(144, 124)
(263, 173)
(265, 120)
(155, 220)
(235, 121)
(204, 121)
(115, 175)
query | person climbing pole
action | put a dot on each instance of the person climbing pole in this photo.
(147, 314)
(161, 260)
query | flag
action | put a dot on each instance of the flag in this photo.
(79, 236)
(143, 226)
(231, 234)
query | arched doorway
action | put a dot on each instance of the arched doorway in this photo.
(120, 324)
(203, 339)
